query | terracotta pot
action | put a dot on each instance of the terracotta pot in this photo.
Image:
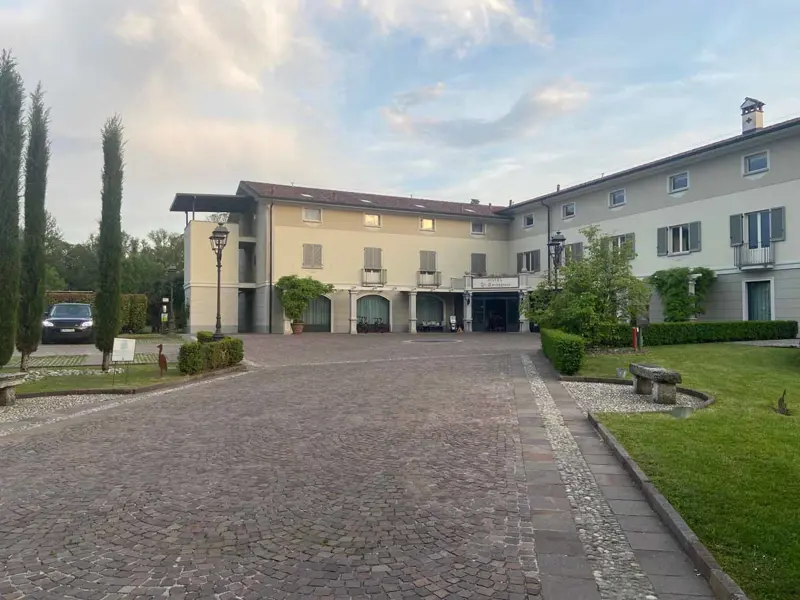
(297, 328)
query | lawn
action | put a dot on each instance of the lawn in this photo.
(138, 376)
(733, 470)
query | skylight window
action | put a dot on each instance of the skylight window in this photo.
(366, 201)
(419, 206)
(307, 195)
(469, 210)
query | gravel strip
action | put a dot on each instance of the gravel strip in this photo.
(614, 398)
(28, 408)
(616, 570)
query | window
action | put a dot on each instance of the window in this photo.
(616, 198)
(478, 228)
(312, 256)
(756, 163)
(679, 182)
(312, 215)
(758, 229)
(678, 239)
(373, 259)
(568, 210)
(478, 264)
(427, 224)
(372, 220)
(528, 221)
(529, 261)
(573, 252)
(619, 241)
(427, 261)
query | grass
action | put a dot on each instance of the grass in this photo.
(138, 376)
(732, 470)
(152, 338)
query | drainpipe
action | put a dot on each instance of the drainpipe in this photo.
(549, 258)
(271, 261)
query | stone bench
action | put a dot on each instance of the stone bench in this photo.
(655, 381)
(9, 381)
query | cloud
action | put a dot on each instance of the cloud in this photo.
(526, 115)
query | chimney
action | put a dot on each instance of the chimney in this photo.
(510, 202)
(558, 187)
(752, 115)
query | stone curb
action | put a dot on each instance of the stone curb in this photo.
(140, 390)
(723, 586)
(707, 399)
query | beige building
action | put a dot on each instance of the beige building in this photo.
(413, 263)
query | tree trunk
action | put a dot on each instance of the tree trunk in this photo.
(25, 362)
(106, 361)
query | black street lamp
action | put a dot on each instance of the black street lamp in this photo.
(171, 271)
(218, 239)
(555, 248)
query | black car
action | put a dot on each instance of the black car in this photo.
(68, 323)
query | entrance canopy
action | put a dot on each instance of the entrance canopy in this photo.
(212, 203)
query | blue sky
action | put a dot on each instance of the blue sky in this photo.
(452, 99)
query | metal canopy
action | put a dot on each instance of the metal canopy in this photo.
(211, 203)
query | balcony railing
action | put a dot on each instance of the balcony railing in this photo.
(751, 258)
(373, 276)
(429, 278)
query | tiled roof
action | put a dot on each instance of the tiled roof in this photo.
(365, 201)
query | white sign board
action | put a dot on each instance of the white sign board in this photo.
(124, 350)
(492, 283)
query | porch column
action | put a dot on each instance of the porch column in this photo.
(468, 312)
(412, 312)
(353, 312)
(524, 324)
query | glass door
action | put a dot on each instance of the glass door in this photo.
(759, 301)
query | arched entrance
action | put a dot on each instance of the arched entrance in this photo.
(372, 308)
(430, 310)
(317, 317)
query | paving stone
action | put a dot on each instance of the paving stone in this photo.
(556, 587)
(666, 584)
(625, 492)
(564, 566)
(652, 541)
(656, 562)
(631, 507)
(641, 524)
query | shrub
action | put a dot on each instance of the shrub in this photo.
(197, 357)
(297, 292)
(564, 350)
(699, 332)
(205, 337)
(132, 310)
(672, 286)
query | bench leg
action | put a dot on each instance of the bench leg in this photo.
(665, 393)
(8, 396)
(642, 386)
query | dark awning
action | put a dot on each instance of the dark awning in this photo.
(211, 203)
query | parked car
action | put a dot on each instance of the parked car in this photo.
(68, 323)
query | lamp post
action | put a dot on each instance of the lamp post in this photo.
(171, 271)
(555, 248)
(218, 239)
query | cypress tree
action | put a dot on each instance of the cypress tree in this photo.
(11, 141)
(107, 300)
(32, 276)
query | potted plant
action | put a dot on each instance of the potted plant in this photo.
(295, 293)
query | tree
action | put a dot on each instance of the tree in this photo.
(32, 276)
(108, 298)
(11, 141)
(674, 288)
(296, 293)
(596, 293)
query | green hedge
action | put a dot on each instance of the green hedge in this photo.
(196, 357)
(564, 350)
(205, 336)
(133, 307)
(701, 332)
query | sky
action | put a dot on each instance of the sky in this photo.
(497, 100)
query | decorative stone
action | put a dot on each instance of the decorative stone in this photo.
(9, 381)
(642, 385)
(654, 373)
(664, 393)
(644, 376)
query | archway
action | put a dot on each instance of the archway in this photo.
(373, 307)
(430, 309)
(317, 317)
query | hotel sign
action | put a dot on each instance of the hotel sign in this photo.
(493, 283)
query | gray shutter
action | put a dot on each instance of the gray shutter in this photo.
(427, 260)
(737, 233)
(372, 258)
(777, 218)
(537, 261)
(478, 264)
(520, 262)
(662, 241)
(317, 256)
(577, 251)
(308, 255)
(630, 238)
(694, 236)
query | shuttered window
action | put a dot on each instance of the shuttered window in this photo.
(529, 261)
(777, 217)
(312, 256)
(758, 229)
(620, 241)
(679, 239)
(573, 252)
(372, 258)
(427, 261)
(478, 264)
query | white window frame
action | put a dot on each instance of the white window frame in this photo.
(681, 252)
(617, 241)
(380, 220)
(472, 228)
(525, 221)
(672, 177)
(433, 224)
(527, 261)
(611, 196)
(760, 215)
(307, 219)
(745, 158)
(564, 215)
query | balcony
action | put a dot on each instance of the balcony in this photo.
(754, 258)
(429, 278)
(373, 276)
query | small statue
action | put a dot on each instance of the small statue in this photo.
(162, 360)
(782, 408)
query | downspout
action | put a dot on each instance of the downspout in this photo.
(271, 261)
(549, 258)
